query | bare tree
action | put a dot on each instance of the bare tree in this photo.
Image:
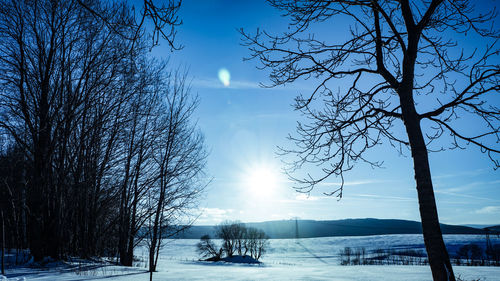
(162, 15)
(59, 75)
(256, 242)
(232, 235)
(399, 66)
(74, 82)
(236, 237)
(207, 248)
(179, 160)
(13, 197)
(137, 139)
(262, 244)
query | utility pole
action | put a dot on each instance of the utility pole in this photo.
(296, 228)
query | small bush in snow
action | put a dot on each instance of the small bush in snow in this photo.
(237, 239)
(206, 248)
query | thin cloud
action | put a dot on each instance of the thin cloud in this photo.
(383, 197)
(216, 84)
(305, 197)
(216, 211)
(488, 210)
(275, 116)
(211, 215)
(460, 174)
(213, 83)
(348, 183)
(471, 185)
(465, 195)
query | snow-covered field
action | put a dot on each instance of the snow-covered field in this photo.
(286, 259)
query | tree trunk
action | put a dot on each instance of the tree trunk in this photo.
(3, 245)
(123, 226)
(133, 231)
(37, 208)
(437, 254)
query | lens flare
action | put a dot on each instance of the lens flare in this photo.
(224, 76)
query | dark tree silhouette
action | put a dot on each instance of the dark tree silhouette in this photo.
(178, 160)
(470, 253)
(90, 128)
(236, 237)
(206, 248)
(231, 234)
(60, 72)
(3, 243)
(256, 242)
(398, 68)
(162, 16)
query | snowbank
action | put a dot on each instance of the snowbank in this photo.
(287, 259)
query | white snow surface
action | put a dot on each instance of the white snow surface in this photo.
(286, 259)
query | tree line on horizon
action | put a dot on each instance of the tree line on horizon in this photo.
(466, 255)
(98, 151)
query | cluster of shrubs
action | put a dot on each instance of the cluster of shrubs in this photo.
(237, 239)
(359, 256)
(470, 254)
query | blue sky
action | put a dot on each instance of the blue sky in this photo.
(244, 123)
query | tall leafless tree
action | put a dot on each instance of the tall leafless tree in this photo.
(399, 67)
(57, 66)
(137, 138)
(179, 160)
(78, 124)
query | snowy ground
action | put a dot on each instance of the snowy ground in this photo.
(287, 259)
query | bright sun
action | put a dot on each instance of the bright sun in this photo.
(262, 180)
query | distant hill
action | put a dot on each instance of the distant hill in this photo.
(480, 225)
(283, 229)
(495, 228)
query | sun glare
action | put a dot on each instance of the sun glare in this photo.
(262, 181)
